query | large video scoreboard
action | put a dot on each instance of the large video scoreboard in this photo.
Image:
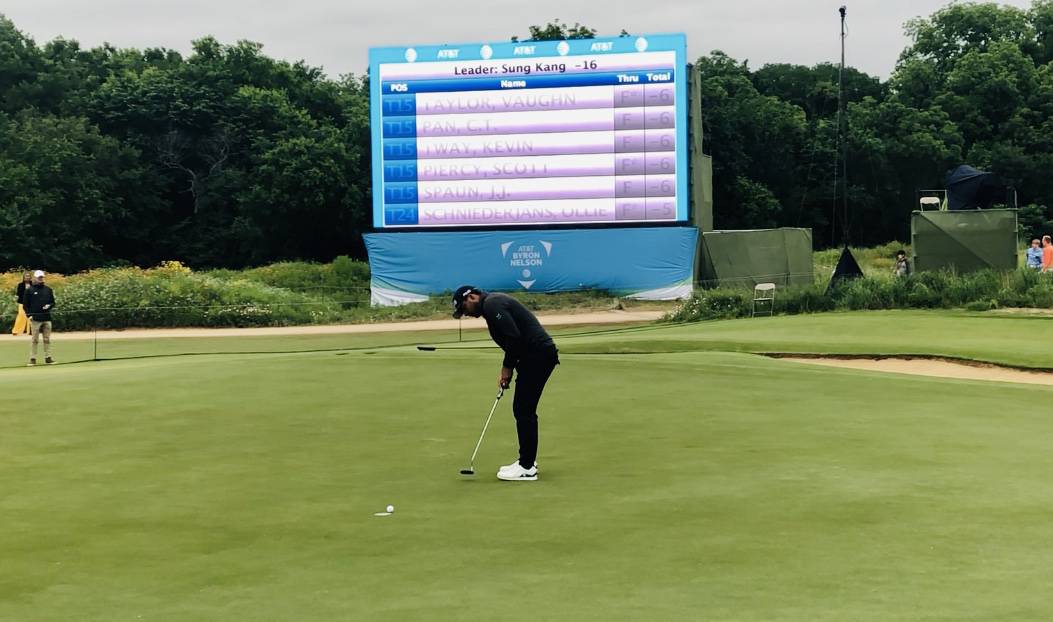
(491, 135)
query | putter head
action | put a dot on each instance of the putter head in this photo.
(467, 471)
(426, 348)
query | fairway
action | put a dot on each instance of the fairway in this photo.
(682, 478)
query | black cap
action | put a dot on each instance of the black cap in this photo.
(459, 296)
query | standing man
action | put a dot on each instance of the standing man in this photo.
(1047, 254)
(38, 302)
(529, 350)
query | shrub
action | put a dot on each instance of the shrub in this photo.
(806, 299)
(977, 291)
(343, 280)
(713, 304)
(171, 295)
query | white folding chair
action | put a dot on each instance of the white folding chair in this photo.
(764, 292)
(930, 202)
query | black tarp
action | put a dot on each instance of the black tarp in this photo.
(969, 188)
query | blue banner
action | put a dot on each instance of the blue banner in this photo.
(651, 263)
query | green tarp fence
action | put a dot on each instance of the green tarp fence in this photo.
(745, 258)
(964, 241)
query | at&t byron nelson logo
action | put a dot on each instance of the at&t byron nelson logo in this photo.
(526, 259)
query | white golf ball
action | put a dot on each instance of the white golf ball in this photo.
(391, 508)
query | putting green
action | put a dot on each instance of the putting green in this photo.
(686, 485)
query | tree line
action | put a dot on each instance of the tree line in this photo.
(229, 158)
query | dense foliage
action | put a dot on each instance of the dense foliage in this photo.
(227, 158)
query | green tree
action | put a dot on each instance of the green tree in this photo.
(557, 31)
(210, 123)
(959, 28)
(20, 64)
(814, 89)
(987, 67)
(755, 141)
(64, 192)
(895, 150)
(1041, 17)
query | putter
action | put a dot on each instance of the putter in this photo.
(471, 467)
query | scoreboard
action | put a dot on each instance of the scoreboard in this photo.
(533, 133)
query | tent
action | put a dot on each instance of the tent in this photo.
(745, 258)
(969, 188)
(964, 241)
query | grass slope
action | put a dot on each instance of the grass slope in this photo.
(1019, 341)
(1010, 340)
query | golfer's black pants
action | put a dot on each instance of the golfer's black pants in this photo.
(532, 373)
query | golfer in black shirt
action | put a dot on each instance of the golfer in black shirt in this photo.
(529, 350)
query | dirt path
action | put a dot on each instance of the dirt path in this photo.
(937, 368)
(562, 319)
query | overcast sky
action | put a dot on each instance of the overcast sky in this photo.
(336, 34)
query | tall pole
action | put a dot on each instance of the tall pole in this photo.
(842, 122)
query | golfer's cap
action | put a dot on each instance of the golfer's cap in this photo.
(459, 296)
(38, 274)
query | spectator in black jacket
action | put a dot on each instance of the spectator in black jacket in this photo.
(21, 321)
(529, 350)
(38, 302)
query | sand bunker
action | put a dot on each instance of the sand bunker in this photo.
(942, 368)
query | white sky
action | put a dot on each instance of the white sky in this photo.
(336, 35)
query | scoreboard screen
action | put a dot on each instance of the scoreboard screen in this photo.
(530, 133)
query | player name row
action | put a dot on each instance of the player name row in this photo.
(515, 167)
(539, 122)
(568, 98)
(531, 212)
(528, 82)
(624, 141)
(545, 189)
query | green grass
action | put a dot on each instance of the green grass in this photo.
(696, 485)
(1017, 341)
(14, 352)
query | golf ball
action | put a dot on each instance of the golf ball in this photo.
(391, 508)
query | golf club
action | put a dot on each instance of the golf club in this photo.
(471, 467)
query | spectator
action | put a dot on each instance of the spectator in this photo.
(21, 321)
(902, 267)
(1047, 254)
(1034, 255)
(38, 302)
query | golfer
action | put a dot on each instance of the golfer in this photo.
(529, 350)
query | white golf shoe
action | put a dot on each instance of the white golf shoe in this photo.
(507, 467)
(517, 473)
